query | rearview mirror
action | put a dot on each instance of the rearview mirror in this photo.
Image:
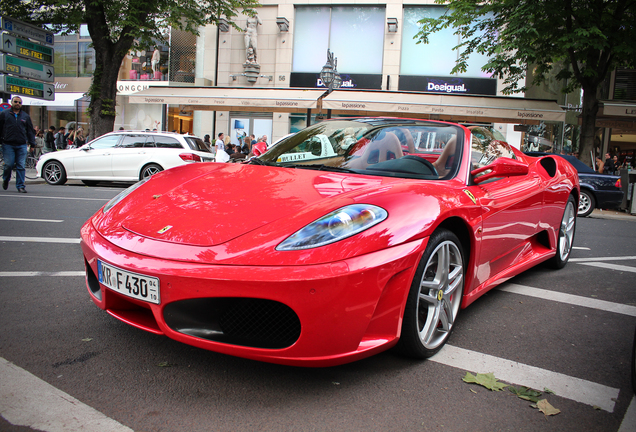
(502, 167)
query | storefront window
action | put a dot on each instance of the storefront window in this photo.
(150, 64)
(354, 34)
(437, 58)
(66, 59)
(546, 137)
(86, 59)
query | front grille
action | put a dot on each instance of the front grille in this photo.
(249, 322)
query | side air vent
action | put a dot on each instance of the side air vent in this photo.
(549, 165)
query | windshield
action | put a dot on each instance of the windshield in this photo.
(411, 149)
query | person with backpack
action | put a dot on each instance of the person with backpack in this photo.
(60, 142)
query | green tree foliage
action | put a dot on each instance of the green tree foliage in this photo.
(581, 40)
(116, 26)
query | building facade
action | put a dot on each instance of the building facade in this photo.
(285, 48)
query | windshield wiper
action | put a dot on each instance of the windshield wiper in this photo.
(322, 167)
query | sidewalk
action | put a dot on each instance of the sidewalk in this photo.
(612, 214)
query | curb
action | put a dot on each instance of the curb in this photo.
(612, 214)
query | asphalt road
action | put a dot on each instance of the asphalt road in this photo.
(569, 330)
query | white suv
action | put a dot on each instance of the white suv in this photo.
(122, 156)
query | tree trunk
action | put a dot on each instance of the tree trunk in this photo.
(108, 57)
(103, 95)
(588, 127)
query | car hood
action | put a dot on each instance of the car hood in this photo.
(226, 201)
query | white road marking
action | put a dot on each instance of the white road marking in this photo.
(580, 248)
(610, 266)
(30, 220)
(629, 421)
(569, 299)
(623, 258)
(40, 239)
(576, 389)
(53, 197)
(26, 400)
(42, 273)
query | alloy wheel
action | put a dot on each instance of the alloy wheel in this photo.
(566, 233)
(440, 294)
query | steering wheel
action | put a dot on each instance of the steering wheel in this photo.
(424, 162)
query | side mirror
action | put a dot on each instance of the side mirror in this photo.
(502, 167)
(85, 148)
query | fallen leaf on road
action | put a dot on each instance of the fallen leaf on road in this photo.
(547, 409)
(487, 380)
(525, 393)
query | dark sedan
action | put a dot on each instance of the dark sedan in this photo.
(597, 190)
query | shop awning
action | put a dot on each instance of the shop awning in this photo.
(231, 99)
(443, 106)
(619, 115)
(619, 108)
(61, 100)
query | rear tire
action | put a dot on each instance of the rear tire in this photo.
(566, 236)
(435, 297)
(149, 170)
(587, 204)
(54, 173)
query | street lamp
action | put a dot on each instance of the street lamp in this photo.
(329, 75)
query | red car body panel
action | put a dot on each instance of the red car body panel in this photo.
(350, 295)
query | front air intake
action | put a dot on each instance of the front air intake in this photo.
(251, 322)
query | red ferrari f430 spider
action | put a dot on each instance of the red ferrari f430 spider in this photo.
(345, 239)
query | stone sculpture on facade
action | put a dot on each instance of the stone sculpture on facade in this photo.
(251, 39)
(251, 66)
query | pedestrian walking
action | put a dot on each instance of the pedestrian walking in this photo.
(79, 140)
(39, 144)
(60, 142)
(49, 141)
(16, 134)
(219, 144)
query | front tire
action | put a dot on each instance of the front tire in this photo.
(435, 296)
(54, 173)
(149, 170)
(587, 203)
(566, 236)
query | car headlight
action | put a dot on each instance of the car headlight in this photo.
(123, 194)
(335, 226)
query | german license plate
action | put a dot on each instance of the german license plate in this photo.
(130, 284)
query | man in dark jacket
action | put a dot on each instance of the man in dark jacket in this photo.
(60, 142)
(16, 132)
(49, 141)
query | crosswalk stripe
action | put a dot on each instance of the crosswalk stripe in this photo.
(21, 196)
(617, 258)
(26, 400)
(31, 220)
(629, 421)
(42, 273)
(569, 299)
(611, 266)
(565, 386)
(39, 239)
